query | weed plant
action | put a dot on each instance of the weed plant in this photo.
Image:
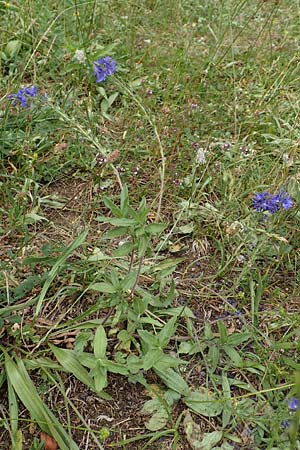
(149, 224)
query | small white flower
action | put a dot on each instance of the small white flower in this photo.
(80, 56)
(287, 161)
(240, 259)
(201, 156)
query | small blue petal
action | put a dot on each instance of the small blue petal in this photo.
(293, 404)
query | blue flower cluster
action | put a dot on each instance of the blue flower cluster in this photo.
(22, 95)
(103, 68)
(293, 405)
(266, 202)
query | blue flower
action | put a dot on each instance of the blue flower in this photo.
(103, 68)
(285, 200)
(293, 404)
(22, 95)
(285, 424)
(266, 202)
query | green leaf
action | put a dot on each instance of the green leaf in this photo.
(115, 367)
(233, 355)
(213, 357)
(148, 339)
(227, 409)
(39, 412)
(238, 338)
(105, 288)
(158, 420)
(129, 280)
(124, 200)
(204, 403)
(100, 343)
(112, 98)
(124, 249)
(167, 332)
(222, 332)
(174, 381)
(69, 361)
(139, 305)
(118, 222)
(115, 232)
(208, 334)
(155, 228)
(167, 361)
(55, 269)
(110, 205)
(167, 264)
(12, 48)
(99, 373)
(152, 357)
(159, 414)
(142, 246)
(32, 217)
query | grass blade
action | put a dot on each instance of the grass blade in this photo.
(39, 412)
(54, 271)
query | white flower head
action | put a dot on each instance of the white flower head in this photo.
(79, 55)
(201, 156)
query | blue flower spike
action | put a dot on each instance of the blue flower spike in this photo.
(266, 202)
(22, 96)
(103, 68)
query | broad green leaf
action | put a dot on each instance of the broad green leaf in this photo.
(158, 420)
(152, 357)
(104, 106)
(124, 199)
(12, 48)
(166, 362)
(69, 361)
(142, 246)
(55, 269)
(98, 255)
(118, 222)
(116, 367)
(204, 403)
(174, 381)
(167, 264)
(39, 412)
(105, 288)
(99, 373)
(148, 339)
(181, 311)
(167, 332)
(234, 356)
(213, 357)
(155, 228)
(227, 408)
(115, 232)
(32, 217)
(110, 205)
(112, 98)
(160, 416)
(124, 249)
(222, 332)
(208, 334)
(100, 343)
(129, 280)
(238, 338)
